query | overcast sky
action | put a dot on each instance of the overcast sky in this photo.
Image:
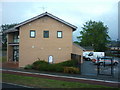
(76, 12)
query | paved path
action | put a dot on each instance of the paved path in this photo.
(65, 78)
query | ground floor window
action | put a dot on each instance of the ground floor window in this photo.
(50, 59)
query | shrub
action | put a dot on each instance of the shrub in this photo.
(55, 67)
(38, 64)
(69, 63)
(28, 66)
(42, 65)
(72, 70)
(45, 66)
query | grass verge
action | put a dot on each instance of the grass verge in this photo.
(45, 83)
(3, 59)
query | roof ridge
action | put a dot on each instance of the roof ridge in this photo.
(48, 14)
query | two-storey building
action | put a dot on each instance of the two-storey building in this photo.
(44, 37)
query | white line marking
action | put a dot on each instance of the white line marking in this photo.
(17, 85)
(61, 76)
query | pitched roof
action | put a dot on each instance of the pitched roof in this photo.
(88, 48)
(79, 46)
(10, 30)
(40, 16)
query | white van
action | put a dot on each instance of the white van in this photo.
(92, 55)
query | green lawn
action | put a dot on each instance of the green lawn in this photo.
(0, 58)
(45, 83)
(3, 59)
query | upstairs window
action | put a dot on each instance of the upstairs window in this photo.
(59, 34)
(32, 33)
(46, 34)
(16, 37)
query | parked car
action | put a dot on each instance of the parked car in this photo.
(105, 61)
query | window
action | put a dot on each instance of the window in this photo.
(59, 34)
(32, 33)
(46, 34)
(16, 38)
(15, 53)
(50, 59)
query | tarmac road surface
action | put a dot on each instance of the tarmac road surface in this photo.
(10, 85)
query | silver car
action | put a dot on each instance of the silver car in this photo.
(105, 61)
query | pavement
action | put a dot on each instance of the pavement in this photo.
(64, 77)
(98, 77)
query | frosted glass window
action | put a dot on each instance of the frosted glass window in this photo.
(59, 34)
(32, 33)
(50, 59)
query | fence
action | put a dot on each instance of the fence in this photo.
(78, 58)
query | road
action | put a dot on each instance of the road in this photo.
(9, 85)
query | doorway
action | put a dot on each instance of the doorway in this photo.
(15, 53)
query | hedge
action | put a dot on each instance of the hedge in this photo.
(42, 65)
(71, 70)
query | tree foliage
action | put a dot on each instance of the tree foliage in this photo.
(6, 27)
(94, 34)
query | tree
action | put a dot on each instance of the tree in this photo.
(94, 34)
(5, 27)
